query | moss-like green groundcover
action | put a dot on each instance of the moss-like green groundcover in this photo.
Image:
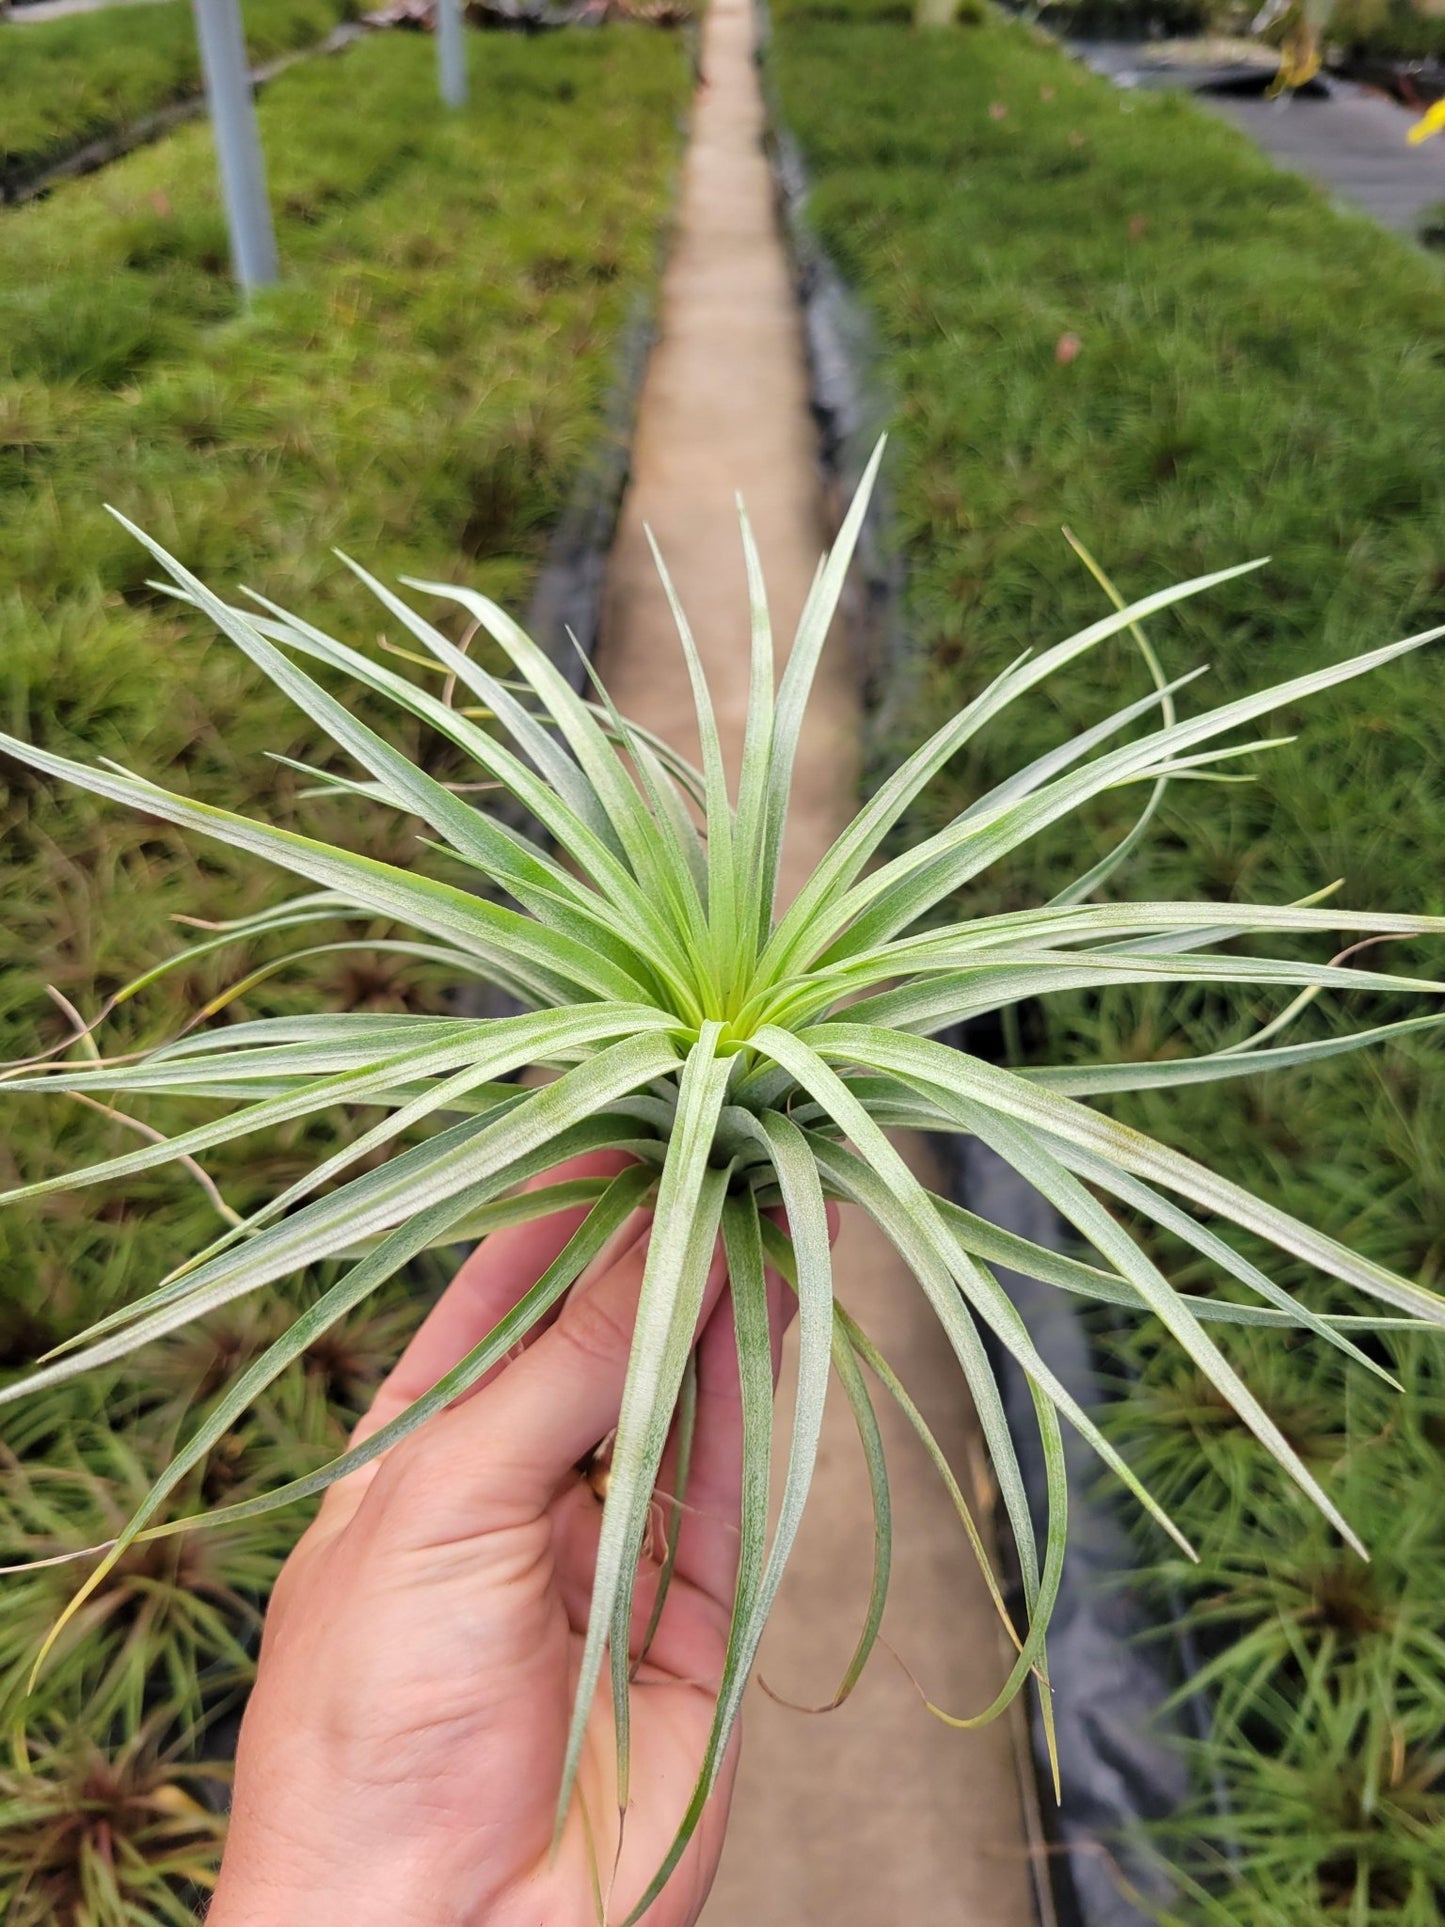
(64, 82)
(423, 391)
(1106, 310)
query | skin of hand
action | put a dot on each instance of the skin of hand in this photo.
(401, 1754)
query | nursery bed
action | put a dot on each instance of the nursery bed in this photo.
(1108, 1687)
(433, 388)
(65, 84)
(1108, 311)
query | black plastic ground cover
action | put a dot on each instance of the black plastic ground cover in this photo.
(1113, 1664)
(1120, 1764)
(1416, 84)
(564, 615)
(565, 612)
(1128, 63)
(851, 408)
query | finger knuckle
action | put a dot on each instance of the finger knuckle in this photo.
(408, 1478)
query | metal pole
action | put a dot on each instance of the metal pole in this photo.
(238, 145)
(451, 53)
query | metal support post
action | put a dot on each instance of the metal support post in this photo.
(238, 144)
(451, 53)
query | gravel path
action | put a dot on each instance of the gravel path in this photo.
(874, 1815)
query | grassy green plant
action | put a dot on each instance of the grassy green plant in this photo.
(1388, 29)
(428, 387)
(65, 82)
(1326, 1676)
(1342, 1819)
(85, 1837)
(1251, 370)
(748, 1057)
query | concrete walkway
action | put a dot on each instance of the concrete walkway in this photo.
(876, 1814)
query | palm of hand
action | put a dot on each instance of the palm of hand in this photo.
(404, 1746)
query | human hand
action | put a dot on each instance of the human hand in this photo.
(402, 1751)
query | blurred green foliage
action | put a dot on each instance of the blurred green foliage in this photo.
(1105, 310)
(424, 390)
(1391, 29)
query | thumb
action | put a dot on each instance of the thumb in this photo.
(499, 1458)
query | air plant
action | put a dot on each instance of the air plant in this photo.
(749, 1056)
(125, 1836)
(179, 1617)
(1341, 1818)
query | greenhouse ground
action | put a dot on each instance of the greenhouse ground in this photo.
(423, 390)
(817, 1833)
(1104, 310)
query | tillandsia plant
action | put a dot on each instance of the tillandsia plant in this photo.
(750, 1058)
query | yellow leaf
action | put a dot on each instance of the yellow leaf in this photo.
(1430, 122)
